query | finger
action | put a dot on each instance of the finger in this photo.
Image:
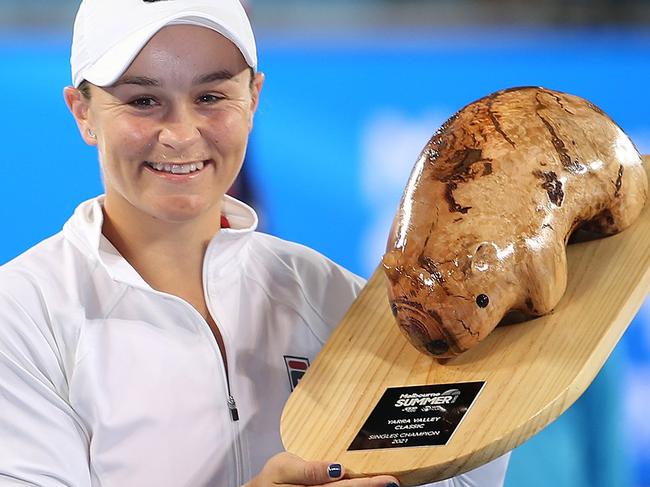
(378, 481)
(293, 470)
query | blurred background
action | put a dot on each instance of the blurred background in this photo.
(354, 90)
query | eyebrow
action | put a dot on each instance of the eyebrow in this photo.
(137, 80)
(210, 77)
(199, 80)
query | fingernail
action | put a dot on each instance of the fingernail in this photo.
(334, 470)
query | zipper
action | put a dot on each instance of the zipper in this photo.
(234, 415)
(239, 463)
(230, 400)
(232, 404)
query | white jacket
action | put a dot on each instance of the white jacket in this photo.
(105, 381)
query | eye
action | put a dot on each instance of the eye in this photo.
(143, 102)
(209, 98)
(482, 300)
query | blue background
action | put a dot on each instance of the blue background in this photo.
(340, 124)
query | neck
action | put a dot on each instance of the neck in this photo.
(168, 255)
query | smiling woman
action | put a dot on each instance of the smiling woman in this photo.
(171, 133)
(147, 343)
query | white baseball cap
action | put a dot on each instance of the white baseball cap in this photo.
(109, 34)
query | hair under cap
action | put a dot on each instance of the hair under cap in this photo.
(109, 34)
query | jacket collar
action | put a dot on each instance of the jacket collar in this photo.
(84, 230)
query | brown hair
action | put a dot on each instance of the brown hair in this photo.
(84, 87)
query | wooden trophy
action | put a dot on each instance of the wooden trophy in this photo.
(374, 403)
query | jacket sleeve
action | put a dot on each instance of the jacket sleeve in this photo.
(42, 442)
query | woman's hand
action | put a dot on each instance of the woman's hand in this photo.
(287, 470)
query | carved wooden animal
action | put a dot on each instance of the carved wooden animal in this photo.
(483, 224)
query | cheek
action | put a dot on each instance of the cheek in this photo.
(127, 141)
(230, 127)
(137, 136)
(121, 152)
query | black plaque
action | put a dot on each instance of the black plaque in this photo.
(416, 416)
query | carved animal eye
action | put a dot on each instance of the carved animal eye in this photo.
(482, 300)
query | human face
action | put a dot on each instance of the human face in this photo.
(185, 102)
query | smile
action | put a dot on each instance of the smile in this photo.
(176, 168)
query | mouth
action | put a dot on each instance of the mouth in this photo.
(177, 168)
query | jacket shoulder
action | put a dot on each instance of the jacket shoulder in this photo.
(38, 330)
(305, 279)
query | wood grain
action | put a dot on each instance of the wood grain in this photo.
(533, 370)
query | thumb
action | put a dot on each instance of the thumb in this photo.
(317, 473)
(293, 470)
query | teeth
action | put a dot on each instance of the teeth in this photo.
(184, 168)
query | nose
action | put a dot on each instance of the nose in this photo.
(179, 130)
(437, 347)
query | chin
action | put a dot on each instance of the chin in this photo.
(182, 209)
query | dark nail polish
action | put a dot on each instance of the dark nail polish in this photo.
(334, 470)
(392, 484)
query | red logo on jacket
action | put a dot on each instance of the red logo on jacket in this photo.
(296, 368)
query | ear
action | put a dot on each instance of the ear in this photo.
(485, 257)
(258, 83)
(79, 107)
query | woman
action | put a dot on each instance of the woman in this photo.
(146, 343)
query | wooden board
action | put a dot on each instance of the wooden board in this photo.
(533, 370)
